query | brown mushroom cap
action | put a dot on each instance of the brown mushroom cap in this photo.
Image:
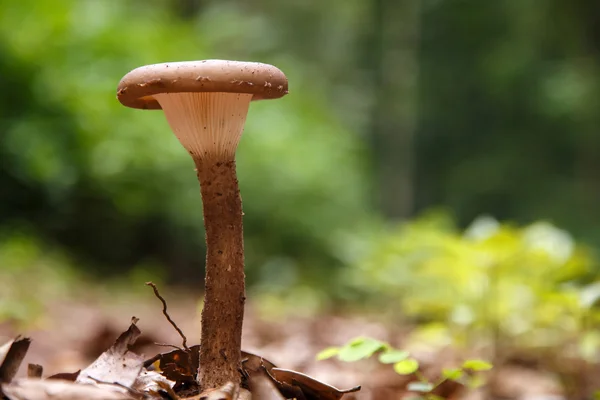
(138, 87)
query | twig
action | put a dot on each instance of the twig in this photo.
(164, 303)
(169, 345)
(129, 390)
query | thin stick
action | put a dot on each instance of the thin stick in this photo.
(169, 345)
(131, 391)
(164, 303)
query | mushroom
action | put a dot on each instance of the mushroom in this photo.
(205, 104)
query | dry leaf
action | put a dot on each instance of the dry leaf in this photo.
(117, 365)
(178, 365)
(311, 388)
(263, 388)
(181, 366)
(34, 371)
(11, 357)
(251, 363)
(66, 376)
(36, 389)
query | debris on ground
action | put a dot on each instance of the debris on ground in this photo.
(67, 361)
(120, 373)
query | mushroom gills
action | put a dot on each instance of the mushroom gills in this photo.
(206, 124)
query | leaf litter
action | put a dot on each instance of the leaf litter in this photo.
(171, 374)
(120, 373)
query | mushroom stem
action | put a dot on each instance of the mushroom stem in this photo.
(223, 312)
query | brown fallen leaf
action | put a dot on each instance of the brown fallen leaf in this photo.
(310, 387)
(37, 389)
(177, 365)
(290, 391)
(182, 365)
(252, 363)
(11, 357)
(34, 371)
(65, 376)
(117, 365)
(262, 388)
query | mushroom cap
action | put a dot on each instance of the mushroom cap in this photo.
(138, 87)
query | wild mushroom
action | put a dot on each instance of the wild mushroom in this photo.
(206, 103)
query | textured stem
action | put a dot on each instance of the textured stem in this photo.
(223, 312)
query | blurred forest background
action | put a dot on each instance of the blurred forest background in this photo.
(435, 160)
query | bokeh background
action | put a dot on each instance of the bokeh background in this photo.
(435, 163)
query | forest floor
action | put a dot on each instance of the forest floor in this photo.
(72, 333)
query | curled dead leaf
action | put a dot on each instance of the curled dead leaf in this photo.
(310, 387)
(66, 376)
(11, 357)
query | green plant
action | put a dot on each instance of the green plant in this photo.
(31, 278)
(69, 171)
(467, 374)
(494, 280)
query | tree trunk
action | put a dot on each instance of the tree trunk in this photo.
(394, 54)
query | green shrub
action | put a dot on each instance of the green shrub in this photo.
(531, 283)
(31, 278)
(360, 348)
(113, 185)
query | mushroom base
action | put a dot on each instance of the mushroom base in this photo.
(223, 313)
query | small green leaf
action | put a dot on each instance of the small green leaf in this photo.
(360, 348)
(597, 395)
(475, 381)
(477, 365)
(406, 367)
(422, 387)
(328, 353)
(393, 356)
(452, 374)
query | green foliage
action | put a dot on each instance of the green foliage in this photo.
(114, 186)
(452, 373)
(31, 279)
(513, 136)
(35, 278)
(393, 356)
(477, 365)
(360, 348)
(356, 349)
(531, 283)
(406, 367)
